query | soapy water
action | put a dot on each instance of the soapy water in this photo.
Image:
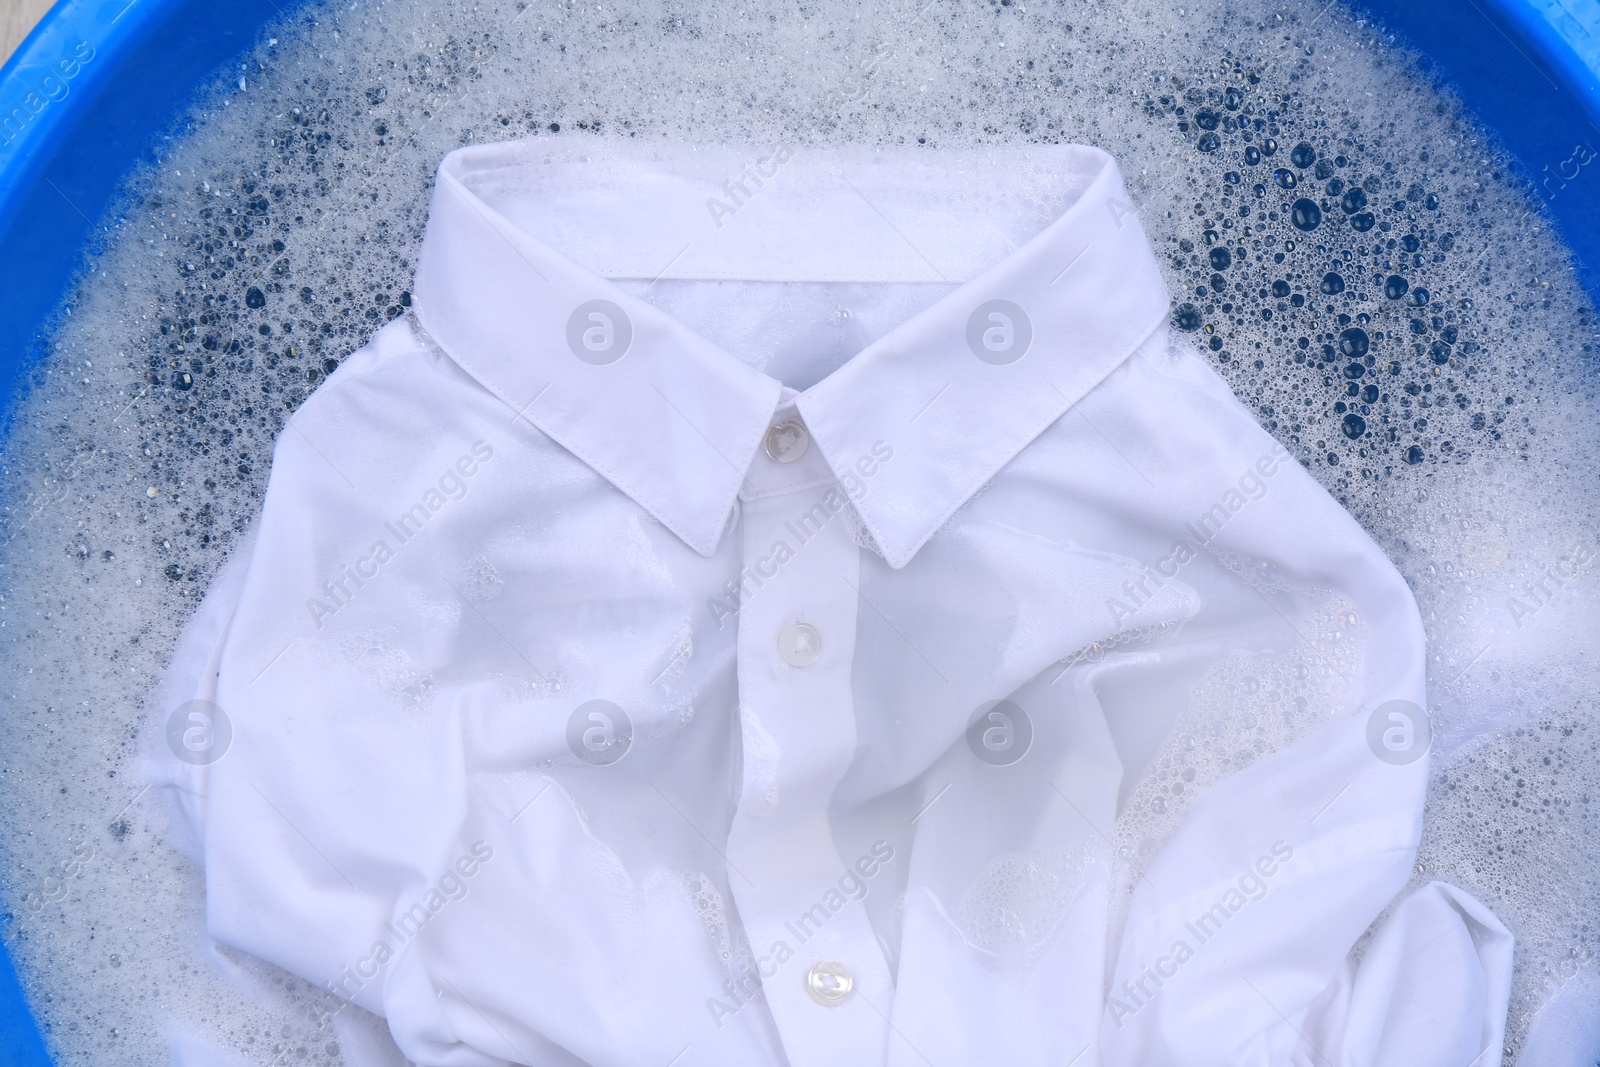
(1362, 265)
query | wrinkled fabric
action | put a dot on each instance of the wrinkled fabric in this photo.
(1426, 992)
(739, 563)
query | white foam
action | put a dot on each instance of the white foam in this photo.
(125, 484)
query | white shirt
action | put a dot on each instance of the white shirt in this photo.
(803, 607)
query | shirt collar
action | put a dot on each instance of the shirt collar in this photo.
(674, 421)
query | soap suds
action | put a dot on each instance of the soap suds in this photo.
(1424, 349)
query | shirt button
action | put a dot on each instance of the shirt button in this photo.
(830, 983)
(786, 441)
(800, 644)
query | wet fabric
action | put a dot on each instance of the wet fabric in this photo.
(806, 607)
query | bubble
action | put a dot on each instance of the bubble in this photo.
(1354, 343)
(1306, 215)
(320, 247)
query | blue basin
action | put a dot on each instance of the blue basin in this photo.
(100, 85)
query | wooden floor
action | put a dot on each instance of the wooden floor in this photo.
(17, 17)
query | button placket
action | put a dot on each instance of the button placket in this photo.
(786, 440)
(800, 644)
(825, 979)
(829, 983)
(785, 462)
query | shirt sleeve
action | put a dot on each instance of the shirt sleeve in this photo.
(1430, 991)
(324, 803)
(1247, 912)
(182, 739)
